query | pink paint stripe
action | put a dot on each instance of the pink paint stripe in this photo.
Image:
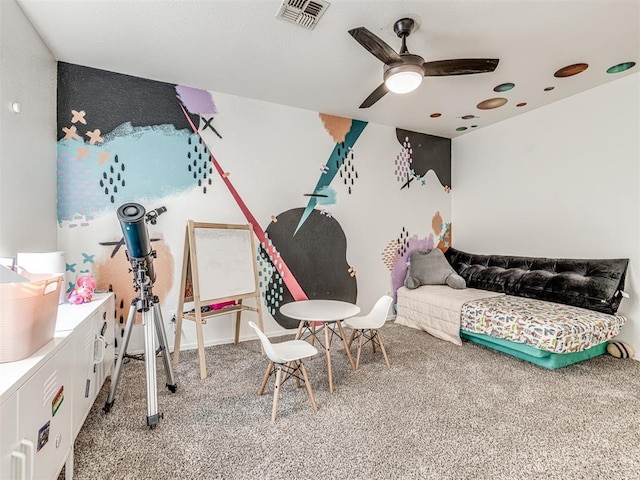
(288, 278)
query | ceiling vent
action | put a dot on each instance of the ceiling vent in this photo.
(305, 13)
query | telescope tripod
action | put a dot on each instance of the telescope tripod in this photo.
(148, 304)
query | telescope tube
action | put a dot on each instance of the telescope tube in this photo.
(132, 217)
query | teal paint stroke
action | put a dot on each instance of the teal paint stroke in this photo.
(333, 163)
(155, 166)
(329, 199)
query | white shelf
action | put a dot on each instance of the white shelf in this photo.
(53, 390)
(13, 374)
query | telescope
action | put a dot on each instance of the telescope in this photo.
(133, 221)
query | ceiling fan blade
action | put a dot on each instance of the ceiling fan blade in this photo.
(459, 66)
(375, 45)
(376, 95)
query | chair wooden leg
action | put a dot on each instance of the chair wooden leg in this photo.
(308, 385)
(312, 340)
(353, 334)
(266, 377)
(347, 350)
(276, 392)
(327, 346)
(384, 352)
(296, 365)
(360, 337)
(300, 327)
(373, 344)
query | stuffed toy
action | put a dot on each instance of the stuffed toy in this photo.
(83, 293)
(620, 349)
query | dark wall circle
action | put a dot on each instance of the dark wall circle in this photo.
(621, 67)
(316, 256)
(491, 103)
(571, 70)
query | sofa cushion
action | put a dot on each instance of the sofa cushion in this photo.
(595, 284)
(431, 268)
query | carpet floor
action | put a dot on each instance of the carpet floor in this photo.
(440, 412)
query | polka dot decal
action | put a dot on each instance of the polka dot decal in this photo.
(548, 89)
(112, 178)
(571, 70)
(346, 167)
(461, 129)
(435, 115)
(402, 243)
(621, 67)
(199, 163)
(491, 103)
(271, 292)
(521, 104)
(390, 255)
(504, 87)
(403, 162)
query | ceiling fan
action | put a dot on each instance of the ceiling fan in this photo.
(403, 71)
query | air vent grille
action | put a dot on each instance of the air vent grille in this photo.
(305, 13)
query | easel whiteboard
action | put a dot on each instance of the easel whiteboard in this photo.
(225, 262)
(219, 272)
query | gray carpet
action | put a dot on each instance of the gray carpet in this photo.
(440, 411)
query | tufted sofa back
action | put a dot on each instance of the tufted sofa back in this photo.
(593, 284)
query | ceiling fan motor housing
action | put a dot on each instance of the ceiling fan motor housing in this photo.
(411, 66)
(408, 59)
(410, 63)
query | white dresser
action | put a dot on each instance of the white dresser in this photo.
(44, 399)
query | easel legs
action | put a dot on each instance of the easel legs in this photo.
(153, 326)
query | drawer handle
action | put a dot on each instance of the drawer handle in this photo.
(22, 459)
(99, 346)
(31, 446)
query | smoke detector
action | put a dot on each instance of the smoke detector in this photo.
(305, 13)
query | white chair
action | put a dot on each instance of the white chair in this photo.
(365, 328)
(286, 357)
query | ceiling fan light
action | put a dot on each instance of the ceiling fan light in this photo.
(404, 79)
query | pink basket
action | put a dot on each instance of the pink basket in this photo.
(28, 314)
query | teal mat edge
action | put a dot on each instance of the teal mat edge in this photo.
(533, 355)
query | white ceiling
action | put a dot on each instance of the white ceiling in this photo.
(239, 47)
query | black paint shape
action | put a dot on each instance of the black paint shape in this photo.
(316, 256)
(207, 124)
(428, 153)
(111, 99)
(408, 182)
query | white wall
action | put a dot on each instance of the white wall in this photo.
(27, 140)
(559, 181)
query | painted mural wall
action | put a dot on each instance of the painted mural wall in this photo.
(336, 204)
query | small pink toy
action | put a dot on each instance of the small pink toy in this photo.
(83, 293)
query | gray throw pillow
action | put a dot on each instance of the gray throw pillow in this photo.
(431, 268)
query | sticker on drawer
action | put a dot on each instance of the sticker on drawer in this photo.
(43, 435)
(57, 401)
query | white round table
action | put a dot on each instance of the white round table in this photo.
(315, 315)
